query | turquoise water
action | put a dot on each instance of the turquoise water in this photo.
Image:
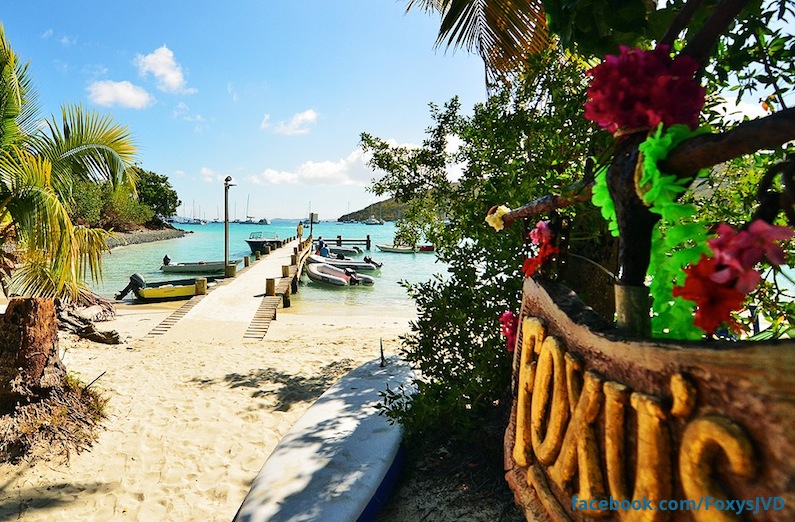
(206, 243)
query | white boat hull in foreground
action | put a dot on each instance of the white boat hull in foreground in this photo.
(331, 275)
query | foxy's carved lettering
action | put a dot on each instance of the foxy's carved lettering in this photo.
(573, 435)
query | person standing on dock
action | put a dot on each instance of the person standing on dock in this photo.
(300, 230)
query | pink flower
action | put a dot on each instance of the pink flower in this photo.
(509, 322)
(640, 89)
(737, 253)
(541, 233)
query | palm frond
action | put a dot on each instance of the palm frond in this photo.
(504, 34)
(86, 146)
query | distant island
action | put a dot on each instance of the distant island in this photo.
(388, 210)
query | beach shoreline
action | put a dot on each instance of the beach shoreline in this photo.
(138, 237)
(190, 422)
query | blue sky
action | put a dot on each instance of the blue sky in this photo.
(274, 94)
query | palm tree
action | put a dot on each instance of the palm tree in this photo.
(39, 166)
(502, 33)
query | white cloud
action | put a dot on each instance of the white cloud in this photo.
(266, 122)
(164, 67)
(122, 94)
(230, 89)
(182, 111)
(65, 40)
(352, 170)
(297, 124)
(46, 35)
(179, 173)
(208, 175)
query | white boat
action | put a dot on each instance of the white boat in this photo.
(403, 249)
(345, 262)
(198, 267)
(344, 250)
(372, 220)
(331, 275)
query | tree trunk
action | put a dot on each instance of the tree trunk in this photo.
(29, 360)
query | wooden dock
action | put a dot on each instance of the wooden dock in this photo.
(246, 303)
(340, 241)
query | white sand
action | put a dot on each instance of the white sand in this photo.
(190, 421)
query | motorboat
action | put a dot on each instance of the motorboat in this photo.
(372, 220)
(198, 267)
(162, 290)
(345, 262)
(332, 275)
(257, 242)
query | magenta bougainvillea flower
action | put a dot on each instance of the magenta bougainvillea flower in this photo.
(542, 235)
(640, 89)
(718, 285)
(509, 322)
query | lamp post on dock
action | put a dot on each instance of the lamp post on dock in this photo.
(227, 183)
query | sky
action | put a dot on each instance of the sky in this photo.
(274, 94)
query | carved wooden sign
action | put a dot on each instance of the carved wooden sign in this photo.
(616, 429)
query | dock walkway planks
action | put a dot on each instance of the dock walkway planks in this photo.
(239, 302)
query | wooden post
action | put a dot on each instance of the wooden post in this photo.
(368, 242)
(295, 250)
(270, 286)
(258, 255)
(267, 249)
(285, 270)
(294, 259)
(286, 298)
(339, 240)
(200, 286)
(246, 261)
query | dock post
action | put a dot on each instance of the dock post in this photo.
(294, 259)
(270, 286)
(286, 298)
(200, 286)
(258, 255)
(368, 242)
(339, 240)
(246, 261)
(285, 270)
(267, 249)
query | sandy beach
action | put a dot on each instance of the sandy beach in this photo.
(190, 420)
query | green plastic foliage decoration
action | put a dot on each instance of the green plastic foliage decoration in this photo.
(679, 239)
(600, 196)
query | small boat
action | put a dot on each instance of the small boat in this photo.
(162, 290)
(257, 242)
(198, 267)
(397, 249)
(331, 275)
(403, 249)
(372, 220)
(345, 262)
(344, 250)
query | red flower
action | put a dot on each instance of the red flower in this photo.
(510, 325)
(641, 89)
(715, 301)
(545, 253)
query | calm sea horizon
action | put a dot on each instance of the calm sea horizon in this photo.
(206, 243)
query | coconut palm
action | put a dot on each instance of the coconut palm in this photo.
(502, 33)
(39, 165)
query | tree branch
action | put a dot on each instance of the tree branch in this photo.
(681, 21)
(748, 137)
(546, 204)
(723, 15)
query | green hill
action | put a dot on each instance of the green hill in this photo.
(389, 210)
